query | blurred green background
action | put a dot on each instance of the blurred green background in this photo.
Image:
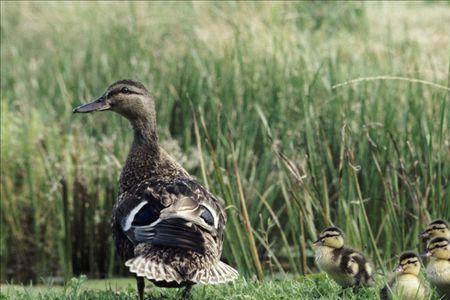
(245, 101)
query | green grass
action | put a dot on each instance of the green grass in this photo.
(246, 100)
(311, 288)
(300, 287)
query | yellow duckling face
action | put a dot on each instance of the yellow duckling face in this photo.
(438, 228)
(330, 237)
(438, 248)
(408, 263)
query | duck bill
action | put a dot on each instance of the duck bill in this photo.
(97, 105)
(426, 254)
(424, 235)
(317, 243)
(399, 269)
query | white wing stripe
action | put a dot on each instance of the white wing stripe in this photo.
(130, 217)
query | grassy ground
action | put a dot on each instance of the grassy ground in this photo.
(301, 287)
(311, 288)
(249, 100)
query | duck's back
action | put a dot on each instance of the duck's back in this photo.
(356, 268)
(170, 230)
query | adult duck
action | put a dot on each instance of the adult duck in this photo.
(167, 227)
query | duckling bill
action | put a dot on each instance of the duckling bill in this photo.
(406, 282)
(346, 266)
(167, 227)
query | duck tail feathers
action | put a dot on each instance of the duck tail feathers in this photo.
(156, 270)
(153, 269)
(219, 273)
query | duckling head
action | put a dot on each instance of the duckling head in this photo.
(127, 97)
(437, 228)
(408, 263)
(331, 237)
(438, 248)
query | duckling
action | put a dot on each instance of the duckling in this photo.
(437, 228)
(406, 282)
(346, 266)
(167, 227)
(438, 269)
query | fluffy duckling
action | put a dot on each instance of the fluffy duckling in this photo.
(438, 269)
(167, 227)
(346, 266)
(406, 282)
(437, 228)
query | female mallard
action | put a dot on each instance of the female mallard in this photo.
(167, 227)
(438, 269)
(406, 282)
(346, 266)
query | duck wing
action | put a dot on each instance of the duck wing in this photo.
(176, 228)
(177, 213)
(174, 232)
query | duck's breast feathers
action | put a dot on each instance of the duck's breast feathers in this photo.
(174, 213)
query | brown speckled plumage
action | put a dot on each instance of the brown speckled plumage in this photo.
(167, 226)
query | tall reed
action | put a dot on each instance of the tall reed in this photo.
(249, 100)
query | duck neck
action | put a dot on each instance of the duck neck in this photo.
(143, 156)
(145, 135)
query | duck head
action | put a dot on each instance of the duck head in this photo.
(133, 101)
(332, 237)
(437, 228)
(408, 263)
(128, 98)
(438, 248)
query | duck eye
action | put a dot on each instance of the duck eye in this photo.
(125, 90)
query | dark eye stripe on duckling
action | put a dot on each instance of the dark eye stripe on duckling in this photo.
(438, 243)
(409, 261)
(328, 235)
(436, 228)
(331, 230)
